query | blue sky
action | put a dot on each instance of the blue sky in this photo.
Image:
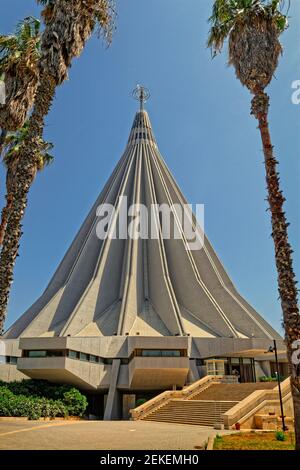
(201, 118)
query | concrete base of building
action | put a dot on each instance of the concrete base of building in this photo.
(122, 369)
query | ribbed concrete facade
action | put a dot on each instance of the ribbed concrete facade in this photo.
(155, 291)
(153, 287)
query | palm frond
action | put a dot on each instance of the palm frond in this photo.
(15, 140)
(8, 44)
(28, 28)
(25, 43)
(105, 17)
(226, 14)
(46, 3)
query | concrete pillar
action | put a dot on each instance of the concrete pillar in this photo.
(193, 374)
(113, 407)
(266, 368)
(202, 371)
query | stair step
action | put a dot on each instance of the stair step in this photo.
(195, 423)
(187, 420)
(204, 407)
(195, 412)
(199, 418)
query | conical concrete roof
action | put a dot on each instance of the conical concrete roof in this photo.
(150, 287)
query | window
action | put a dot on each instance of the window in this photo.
(8, 360)
(13, 360)
(107, 361)
(37, 353)
(94, 358)
(53, 353)
(59, 353)
(246, 360)
(160, 352)
(49, 353)
(73, 354)
(235, 360)
(83, 356)
(215, 367)
(170, 353)
(151, 353)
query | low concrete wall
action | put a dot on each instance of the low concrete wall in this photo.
(270, 406)
(260, 401)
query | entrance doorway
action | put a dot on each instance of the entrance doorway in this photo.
(243, 368)
(95, 405)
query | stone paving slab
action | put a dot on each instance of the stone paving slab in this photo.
(102, 435)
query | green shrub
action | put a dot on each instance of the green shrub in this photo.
(140, 402)
(31, 407)
(40, 399)
(38, 388)
(75, 402)
(59, 408)
(50, 408)
(33, 414)
(266, 378)
(280, 436)
(6, 398)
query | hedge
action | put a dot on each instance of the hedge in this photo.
(40, 399)
(37, 388)
(265, 378)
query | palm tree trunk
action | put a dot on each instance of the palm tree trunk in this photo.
(24, 176)
(5, 215)
(283, 253)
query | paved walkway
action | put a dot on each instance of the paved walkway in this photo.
(101, 435)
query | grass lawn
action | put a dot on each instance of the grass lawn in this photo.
(254, 441)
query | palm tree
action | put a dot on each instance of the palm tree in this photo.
(11, 151)
(68, 25)
(253, 28)
(19, 56)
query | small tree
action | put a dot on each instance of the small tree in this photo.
(75, 402)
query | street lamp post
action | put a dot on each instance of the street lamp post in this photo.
(274, 350)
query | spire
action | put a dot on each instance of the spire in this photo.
(141, 131)
(142, 94)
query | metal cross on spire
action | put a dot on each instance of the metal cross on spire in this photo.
(141, 94)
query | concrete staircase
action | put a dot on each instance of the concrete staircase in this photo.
(204, 405)
(231, 392)
(203, 413)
